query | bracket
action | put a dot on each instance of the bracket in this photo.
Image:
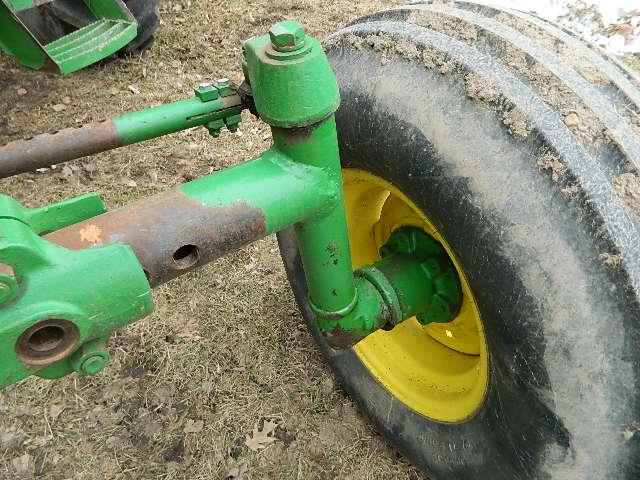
(55, 300)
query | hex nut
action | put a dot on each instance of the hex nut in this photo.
(287, 36)
(206, 92)
(224, 87)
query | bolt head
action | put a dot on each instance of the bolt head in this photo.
(94, 364)
(206, 92)
(224, 87)
(8, 283)
(287, 36)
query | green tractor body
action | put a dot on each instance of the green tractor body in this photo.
(114, 27)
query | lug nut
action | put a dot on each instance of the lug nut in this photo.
(287, 36)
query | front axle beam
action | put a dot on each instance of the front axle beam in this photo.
(179, 230)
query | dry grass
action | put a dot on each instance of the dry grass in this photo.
(226, 346)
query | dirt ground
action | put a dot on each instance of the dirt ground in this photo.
(226, 349)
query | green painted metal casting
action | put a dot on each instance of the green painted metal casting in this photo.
(291, 88)
(209, 108)
(59, 305)
(114, 27)
(283, 191)
(414, 277)
(61, 298)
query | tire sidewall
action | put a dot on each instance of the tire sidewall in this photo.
(534, 422)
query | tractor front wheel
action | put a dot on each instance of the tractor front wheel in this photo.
(516, 147)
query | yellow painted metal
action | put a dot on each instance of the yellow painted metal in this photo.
(441, 370)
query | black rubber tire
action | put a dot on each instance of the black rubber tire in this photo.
(63, 16)
(543, 218)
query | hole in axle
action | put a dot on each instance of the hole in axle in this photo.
(47, 341)
(186, 256)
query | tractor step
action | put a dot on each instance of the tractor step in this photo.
(90, 44)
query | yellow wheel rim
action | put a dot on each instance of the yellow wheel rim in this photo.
(440, 371)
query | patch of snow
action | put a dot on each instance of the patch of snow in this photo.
(612, 24)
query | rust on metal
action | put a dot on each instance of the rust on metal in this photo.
(47, 342)
(296, 135)
(170, 233)
(51, 148)
(7, 270)
(340, 339)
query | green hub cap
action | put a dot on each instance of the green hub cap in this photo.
(414, 278)
(444, 296)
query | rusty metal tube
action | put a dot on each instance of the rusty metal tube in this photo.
(179, 230)
(53, 148)
(170, 233)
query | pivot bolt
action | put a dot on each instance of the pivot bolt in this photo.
(90, 358)
(287, 36)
